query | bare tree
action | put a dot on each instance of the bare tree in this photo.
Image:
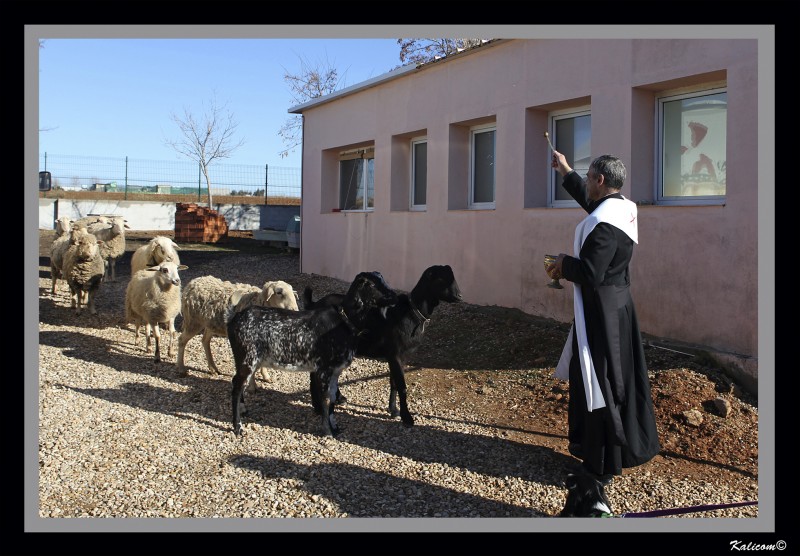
(419, 51)
(312, 81)
(206, 139)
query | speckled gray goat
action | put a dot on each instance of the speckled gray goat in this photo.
(319, 341)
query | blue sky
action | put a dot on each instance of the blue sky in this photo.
(113, 97)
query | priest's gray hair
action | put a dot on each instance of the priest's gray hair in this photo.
(612, 169)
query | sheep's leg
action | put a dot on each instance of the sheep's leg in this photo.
(398, 383)
(79, 296)
(113, 264)
(157, 337)
(147, 335)
(207, 335)
(90, 303)
(183, 339)
(54, 275)
(172, 334)
(251, 384)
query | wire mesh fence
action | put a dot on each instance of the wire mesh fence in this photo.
(176, 177)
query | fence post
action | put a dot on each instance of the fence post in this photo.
(198, 182)
(266, 184)
(126, 178)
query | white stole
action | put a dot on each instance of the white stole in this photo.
(620, 213)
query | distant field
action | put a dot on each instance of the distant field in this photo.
(169, 198)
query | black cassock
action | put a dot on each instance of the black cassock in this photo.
(622, 434)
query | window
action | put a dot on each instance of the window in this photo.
(482, 152)
(419, 173)
(357, 179)
(572, 136)
(692, 147)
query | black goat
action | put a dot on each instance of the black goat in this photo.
(397, 336)
(320, 341)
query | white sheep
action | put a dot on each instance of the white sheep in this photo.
(66, 233)
(111, 231)
(153, 296)
(157, 250)
(206, 300)
(83, 270)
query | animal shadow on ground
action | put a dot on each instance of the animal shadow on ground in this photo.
(208, 400)
(337, 482)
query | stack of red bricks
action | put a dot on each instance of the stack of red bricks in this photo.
(196, 224)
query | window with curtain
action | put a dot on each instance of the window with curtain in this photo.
(692, 146)
(357, 179)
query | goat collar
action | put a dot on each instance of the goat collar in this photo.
(353, 327)
(423, 320)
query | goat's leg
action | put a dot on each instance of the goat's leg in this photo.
(237, 396)
(398, 381)
(315, 388)
(328, 398)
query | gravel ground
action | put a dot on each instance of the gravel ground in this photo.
(121, 436)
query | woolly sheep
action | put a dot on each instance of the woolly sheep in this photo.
(159, 249)
(69, 233)
(111, 232)
(83, 270)
(153, 296)
(206, 300)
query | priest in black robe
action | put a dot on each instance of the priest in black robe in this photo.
(611, 419)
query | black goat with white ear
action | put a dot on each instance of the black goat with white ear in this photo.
(398, 336)
(320, 341)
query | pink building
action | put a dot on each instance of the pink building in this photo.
(447, 163)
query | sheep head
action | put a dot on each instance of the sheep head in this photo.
(279, 294)
(168, 273)
(87, 247)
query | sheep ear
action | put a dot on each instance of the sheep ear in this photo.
(153, 269)
(235, 297)
(182, 267)
(296, 295)
(126, 225)
(175, 245)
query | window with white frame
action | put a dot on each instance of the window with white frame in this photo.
(482, 155)
(692, 147)
(357, 179)
(419, 173)
(572, 136)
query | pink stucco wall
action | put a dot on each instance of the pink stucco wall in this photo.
(694, 273)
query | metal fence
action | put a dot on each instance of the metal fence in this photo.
(180, 177)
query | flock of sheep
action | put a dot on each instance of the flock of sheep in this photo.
(84, 254)
(264, 325)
